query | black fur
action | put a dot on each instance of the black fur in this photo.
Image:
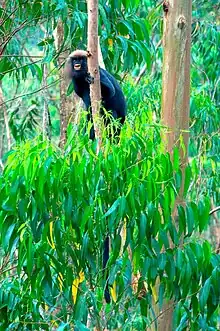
(113, 99)
(105, 260)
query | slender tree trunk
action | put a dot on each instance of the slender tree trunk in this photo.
(93, 65)
(175, 99)
(46, 113)
(67, 103)
(176, 73)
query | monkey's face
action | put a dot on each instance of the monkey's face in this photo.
(79, 66)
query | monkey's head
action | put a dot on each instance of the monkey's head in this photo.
(76, 64)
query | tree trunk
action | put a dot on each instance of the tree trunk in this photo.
(175, 102)
(4, 126)
(93, 65)
(67, 103)
(176, 73)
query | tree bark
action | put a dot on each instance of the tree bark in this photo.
(176, 73)
(93, 65)
(175, 101)
(67, 103)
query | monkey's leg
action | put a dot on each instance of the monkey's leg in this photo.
(92, 131)
(105, 272)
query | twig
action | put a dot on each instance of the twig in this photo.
(28, 56)
(13, 11)
(30, 93)
(161, 313)
(7, 39)
(215, 88)
(214, 210)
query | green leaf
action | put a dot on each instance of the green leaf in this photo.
(85, 243)
(7, 236)
(161, 294)
(163, 239)
(190, 219)
(122, 206)
(195, 305)
(80, 327)
(116, 246)
(187, 180)
(136, 259)
(129, 27)
(181, 219)
(124, 43)
(49, 54)
(179, 259)
(63, 326)
(30, 255)
(162, 258)
(68, 203)
(70, 89)
(143, 227)
(207, 252)
(204, 293)
(112, 208)
(203, 213)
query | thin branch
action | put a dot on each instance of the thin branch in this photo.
(161, 313)
(215, 89)
(7, 39)
(214, 210)
(31, 93)
(25, 23)
(28, 56)
(13, 11)
(17, 68)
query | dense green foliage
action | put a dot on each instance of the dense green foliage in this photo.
(56, 210)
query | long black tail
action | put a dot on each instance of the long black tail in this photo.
(105, 260)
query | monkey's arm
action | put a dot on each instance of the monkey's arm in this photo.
(87, 102)
(107, 87)
(89, 79)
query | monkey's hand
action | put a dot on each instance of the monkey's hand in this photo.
(89, 79)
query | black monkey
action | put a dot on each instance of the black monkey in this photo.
(113, 99)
